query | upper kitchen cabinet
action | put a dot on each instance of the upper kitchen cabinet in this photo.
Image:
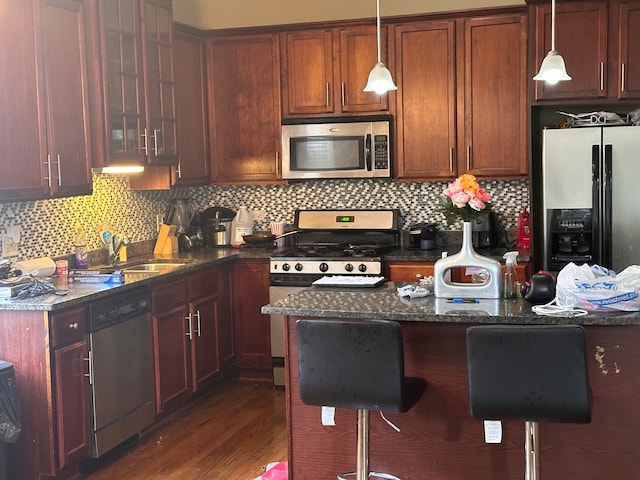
(600, 44)
(426, 100)
(461, 100)
(138, 85)
(191, 109)
(243, 75)
(325, 71)
(581, 38)
(494, 143)
(628, 85)
(45, 141)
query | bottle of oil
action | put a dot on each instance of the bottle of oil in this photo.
(81, 249)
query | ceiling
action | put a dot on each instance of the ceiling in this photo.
(217, 14)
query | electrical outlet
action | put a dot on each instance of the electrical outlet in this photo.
(258, 215)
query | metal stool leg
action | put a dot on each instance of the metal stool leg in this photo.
(532, 471)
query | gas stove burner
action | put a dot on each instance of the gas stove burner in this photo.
(312, 250)
(361, 251)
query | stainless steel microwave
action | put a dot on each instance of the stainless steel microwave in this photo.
(337, 147)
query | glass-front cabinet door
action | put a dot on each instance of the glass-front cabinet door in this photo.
(139, 82)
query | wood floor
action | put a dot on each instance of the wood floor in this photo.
(231, 435)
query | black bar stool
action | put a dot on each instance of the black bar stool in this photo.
(529, 373)
(356, 364)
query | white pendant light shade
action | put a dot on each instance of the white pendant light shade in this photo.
(380, 80)
(552, 69)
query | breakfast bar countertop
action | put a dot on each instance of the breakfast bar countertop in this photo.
(384, 303)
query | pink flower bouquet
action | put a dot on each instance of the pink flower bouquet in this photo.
(464, 199)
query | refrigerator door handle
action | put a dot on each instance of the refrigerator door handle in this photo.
(596, 205)
(607, 211)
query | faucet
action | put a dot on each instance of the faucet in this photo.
(114, 256)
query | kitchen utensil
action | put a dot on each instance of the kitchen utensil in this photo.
(264, 237)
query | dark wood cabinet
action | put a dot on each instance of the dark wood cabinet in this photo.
(425, 60)
(243, 78)
(603, 65)
(326, 70)
(46, 135)
(628, 85)
(170, 313)
(71, 386)
(250, 291)
(461, 91)
(138, 85)
(191, 110)
(581, 39)
(191, 319)
(494, 142)
(407, 271)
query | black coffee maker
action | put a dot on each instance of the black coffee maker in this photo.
(423, 236)
(485, 232)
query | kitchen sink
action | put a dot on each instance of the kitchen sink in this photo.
(153, 267)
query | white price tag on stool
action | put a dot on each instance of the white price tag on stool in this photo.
(492, 431)
(328, 416)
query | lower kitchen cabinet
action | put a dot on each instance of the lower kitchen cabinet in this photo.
(407, 271)
(70, 382)
(49, 355)
(250, 291)
(191, 320)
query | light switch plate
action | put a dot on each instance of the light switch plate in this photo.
(10, 241)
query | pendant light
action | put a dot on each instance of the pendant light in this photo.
(380, 80)
(552, 69)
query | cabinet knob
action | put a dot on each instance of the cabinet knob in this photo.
(73, 326)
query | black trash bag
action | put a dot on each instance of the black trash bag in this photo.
(10, 426)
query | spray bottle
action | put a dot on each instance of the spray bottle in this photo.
(509, 284)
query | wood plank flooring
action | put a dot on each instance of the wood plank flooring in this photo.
(230, 435)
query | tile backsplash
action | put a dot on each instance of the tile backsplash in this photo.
(48, 226)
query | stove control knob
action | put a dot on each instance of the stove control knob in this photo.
(362, 267)
(324, 267)
(348, 267)
(298, 267)
(286, 267)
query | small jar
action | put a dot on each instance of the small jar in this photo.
(62, 268)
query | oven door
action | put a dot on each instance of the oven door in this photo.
(277, 333)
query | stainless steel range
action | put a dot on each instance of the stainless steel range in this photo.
(329, 242)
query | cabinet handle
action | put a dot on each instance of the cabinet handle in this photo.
(179, 171)
(145, 147)
(343, 94)
(197, 315)
(468, 157)
(189, 329)
(622, 73)
(73, 326)
(89, 361)
(327, 89)
(601, 75)
(48, 164)
(277, 164)
(155, 141)
(451, 159)
(59, 173)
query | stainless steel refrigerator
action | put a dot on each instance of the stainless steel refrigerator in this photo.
(590, 188)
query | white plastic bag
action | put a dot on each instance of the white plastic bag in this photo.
(593, 287)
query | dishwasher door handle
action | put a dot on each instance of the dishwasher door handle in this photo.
(89, 361)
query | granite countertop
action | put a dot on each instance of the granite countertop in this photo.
(384, 303)
(417, 255)
(78, 293)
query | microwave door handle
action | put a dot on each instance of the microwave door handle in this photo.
(367, 151)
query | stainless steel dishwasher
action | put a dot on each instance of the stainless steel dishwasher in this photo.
(120, 368)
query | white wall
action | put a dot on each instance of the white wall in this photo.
(215, 14)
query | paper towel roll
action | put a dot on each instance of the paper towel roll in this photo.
(38, 267)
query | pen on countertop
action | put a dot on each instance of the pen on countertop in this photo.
(463, 300)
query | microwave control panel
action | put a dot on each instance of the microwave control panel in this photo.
(381, 149)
